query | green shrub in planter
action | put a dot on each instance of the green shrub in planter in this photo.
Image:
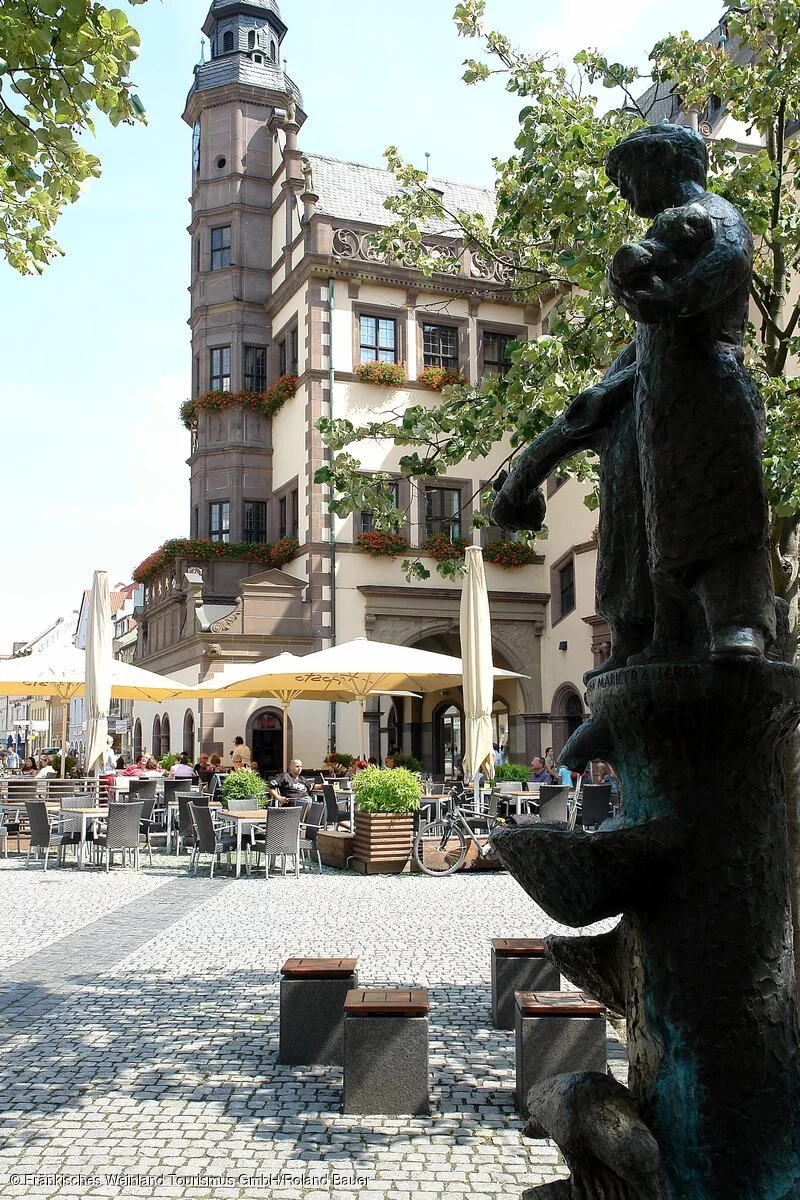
(409, 762)
(512, 772)
(243, 784)
(383, 790)
(167, 760)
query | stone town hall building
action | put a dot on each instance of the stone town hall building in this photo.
(284, 282)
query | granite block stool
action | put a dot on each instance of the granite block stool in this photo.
(518, 965)
(313, 992)
(557, 1033)
(386, 1052)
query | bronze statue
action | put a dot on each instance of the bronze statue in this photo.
(701, 962)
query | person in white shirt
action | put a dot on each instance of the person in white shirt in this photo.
(109, 758)
(12, 759)
(45, 768)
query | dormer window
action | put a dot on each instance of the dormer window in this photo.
(273, 52)
(227, 42)
(251, 39)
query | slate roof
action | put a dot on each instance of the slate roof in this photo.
(268, 5)
(660, 103)
(356, 192)
(240, 68)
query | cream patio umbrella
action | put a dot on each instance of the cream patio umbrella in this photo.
(366, 668)
(61, 673)
(281, 678)
(475, 628)
(98, 673)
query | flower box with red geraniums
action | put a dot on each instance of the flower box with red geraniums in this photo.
(204, 550)
(378, 544)
(509, 554)
(385, 373)
(444, 548)
(267, 403)
(439, 377)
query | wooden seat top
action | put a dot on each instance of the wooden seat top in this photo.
(387, 1002)
(518, 947)
(558, 1004)
(318, 968)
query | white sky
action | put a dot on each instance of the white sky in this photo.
(96, 351)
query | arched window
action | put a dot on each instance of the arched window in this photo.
(500, 724)
(566, 715)
(251, 39)
(448, 740)
(165, 737)
(188, 733)
(137, 740)
(227, 42)
(273, 51)
(156, 750)
(573, 711)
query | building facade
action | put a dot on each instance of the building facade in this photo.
(287, 289)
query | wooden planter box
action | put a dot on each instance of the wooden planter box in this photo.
(382, 843)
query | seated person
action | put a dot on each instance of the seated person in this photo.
(539, 772)
(203, 768)
(45, 769)
(603, 773)
(182, 769)
(290, 787)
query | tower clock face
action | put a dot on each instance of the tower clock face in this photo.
(196, 146)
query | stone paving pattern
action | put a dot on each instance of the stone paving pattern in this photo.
(139, 1019)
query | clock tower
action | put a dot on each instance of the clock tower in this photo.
(244, 112)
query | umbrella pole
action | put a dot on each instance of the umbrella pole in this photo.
(64, 713)
(285, 735)
(361, 730)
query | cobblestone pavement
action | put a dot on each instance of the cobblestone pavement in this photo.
(139, 1020)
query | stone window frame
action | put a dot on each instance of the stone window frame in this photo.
(556, 612)
(221, 250)
(282, 343)
(466, 487)
(517, 332)
(381, 312)
(404, 503)
(212, 350)
(284, 511)
(459, 322)
(554, 482)
(264, 528)
(218, 532)
(263, 376)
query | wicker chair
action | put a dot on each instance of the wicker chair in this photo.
(142, 789)
(186, 836)
(122, 832)
(281, 836)
(312, 822)
(41, 830)
(208, 839)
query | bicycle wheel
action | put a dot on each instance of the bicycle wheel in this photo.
(439, 848)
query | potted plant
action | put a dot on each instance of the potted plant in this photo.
(512, 773)
(244, 784)
(167, 761)
(386, 800)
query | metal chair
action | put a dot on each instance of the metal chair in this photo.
(122, 832)
(10, 826)
(313, 821)
(207, 838)
(595, 804)
(281, 837)
(146, 823)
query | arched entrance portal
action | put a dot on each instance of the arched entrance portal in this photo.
(567, 715)
(448, 739)
(265, 738)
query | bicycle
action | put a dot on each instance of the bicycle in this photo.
(440, 847)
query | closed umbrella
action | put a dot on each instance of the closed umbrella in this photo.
(98, 672)
(475, 628)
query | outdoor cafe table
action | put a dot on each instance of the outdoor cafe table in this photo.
(242, 819)
(171, 808)
(86, 815)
